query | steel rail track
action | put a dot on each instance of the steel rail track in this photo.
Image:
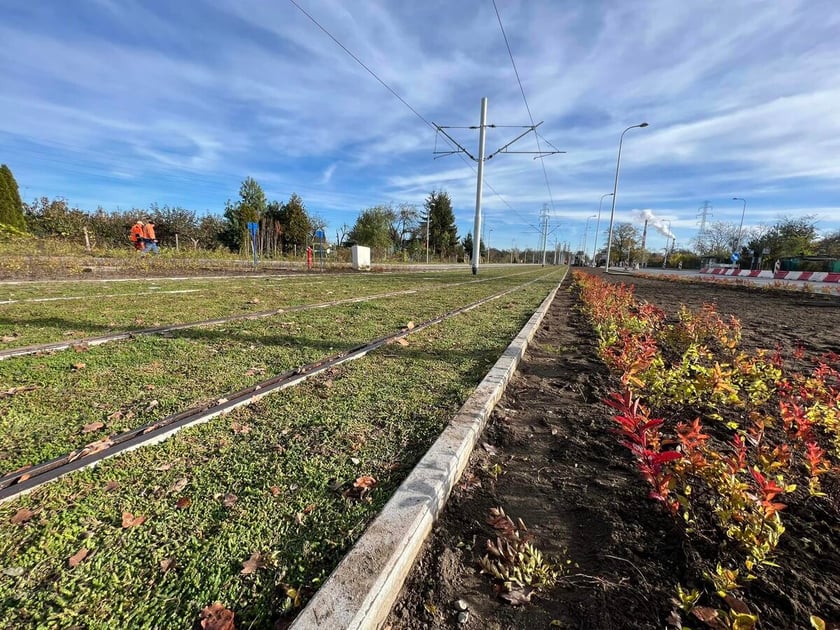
(56, 346)
(25, 480)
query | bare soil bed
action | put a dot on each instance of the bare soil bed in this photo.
(549, 456)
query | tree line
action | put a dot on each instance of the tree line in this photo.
(284, 227)
(786, 238)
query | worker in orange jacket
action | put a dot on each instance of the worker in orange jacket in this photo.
(149, 238)
(136, 236)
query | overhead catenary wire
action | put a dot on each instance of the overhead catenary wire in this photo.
(525, 100)
(402, 100)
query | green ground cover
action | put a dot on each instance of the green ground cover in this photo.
(66, 400)
(252, 509)
(103, 308)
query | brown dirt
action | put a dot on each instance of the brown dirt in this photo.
(565, 474)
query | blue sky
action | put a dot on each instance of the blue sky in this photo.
(122, 103)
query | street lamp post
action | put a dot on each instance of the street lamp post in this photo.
(598, 226)
(586, 238)
(740, 225)
(615, 191)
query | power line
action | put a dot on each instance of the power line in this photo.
(414, 111)
(522, 90)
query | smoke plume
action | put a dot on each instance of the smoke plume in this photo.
(659, 224)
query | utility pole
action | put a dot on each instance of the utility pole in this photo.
(703, 213)
(428, 221)
(482, 130)
(544, 228)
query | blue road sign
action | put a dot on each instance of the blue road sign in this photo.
(735, 257)
(319, 234)
(253, 227)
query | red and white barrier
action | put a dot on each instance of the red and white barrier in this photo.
(810, 276)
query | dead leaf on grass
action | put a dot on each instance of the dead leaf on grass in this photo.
(80, 347)
(167, 564)
(79, 366)
(402, 341)
(255, 370)
(112, 485)
(23, 515)
(17, 390)
(179, 484)
(129, 520)
(365, 481)
(252, 564)
(274, 490)
(183, 503)
(229, 500)
(410, 325)
(93, 426)
(239, 428)
(77, 557)
(152, 404)
(216, 617)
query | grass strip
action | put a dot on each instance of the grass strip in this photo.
(171, 528)
(101, 310)
(79, 397)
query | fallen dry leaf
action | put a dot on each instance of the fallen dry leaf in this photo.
(117, 415)
(164, 467)
(167, 564)
(410, 325)
(179, 484)
(93, 426)
(112, 485)
(402, 341)
(22, 516)
(17, 390)
(274, 490)
(77, 557)
(229, 500)
(216, 617)
(365, 481)
(518, 597)
(80, 347)
(240, 428)
(710, 617)
(183, 503)
(91, 449)
(152, 404)
(129, 520)
(252, 564)
(79, 366)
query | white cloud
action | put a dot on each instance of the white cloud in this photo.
(741, 101)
